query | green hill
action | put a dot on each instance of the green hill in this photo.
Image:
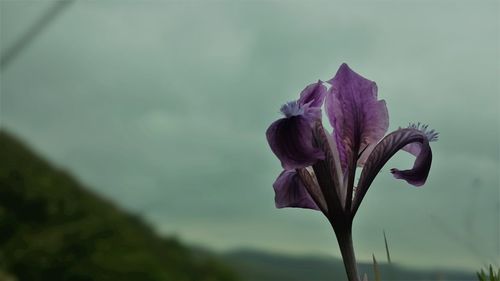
(53, 228)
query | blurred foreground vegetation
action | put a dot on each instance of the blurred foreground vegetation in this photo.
(52, 228)
(489, 275)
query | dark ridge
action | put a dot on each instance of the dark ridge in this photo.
(53, 228)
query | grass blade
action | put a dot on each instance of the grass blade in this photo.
(376, 270)
(387, 249)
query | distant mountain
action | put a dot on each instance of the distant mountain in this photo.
(53, 228)
(260, 266)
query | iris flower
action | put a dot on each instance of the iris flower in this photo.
(319, 167)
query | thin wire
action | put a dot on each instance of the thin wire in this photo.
(38, 26)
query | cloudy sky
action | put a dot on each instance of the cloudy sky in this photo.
(162, 106)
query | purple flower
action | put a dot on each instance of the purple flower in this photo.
(319, 167)
(359, 122)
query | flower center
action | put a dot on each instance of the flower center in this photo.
(291, 108)
(431, 134)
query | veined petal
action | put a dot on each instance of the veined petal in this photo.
(291, 192)
(384, 150)
(365, 153)
(328, 173)
(291, 140)
(357, 116)
(311, 184)
(313, 95)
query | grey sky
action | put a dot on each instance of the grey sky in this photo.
(162, 106)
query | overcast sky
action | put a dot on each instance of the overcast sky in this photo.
(163, 107)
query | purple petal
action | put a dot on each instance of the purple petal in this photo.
(418, 174)
(412, 148)
(313, 95)
(364, 155)
(291, 192)
(432, 135)
(329, 173)
(311, 184)
(291, 140)
(384, 150)
(358, 118)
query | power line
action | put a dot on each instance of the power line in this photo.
(13, 51)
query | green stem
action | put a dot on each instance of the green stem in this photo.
(344, 238)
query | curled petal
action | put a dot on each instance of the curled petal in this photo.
(357, 116)
(291, 140)
(418, 174)
(384, 150)
(432, 135)
(413, 148)
(291, 192)
(313, 95)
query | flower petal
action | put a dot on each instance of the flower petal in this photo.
(432, 135)
(291, 192)
(358, 118)
(328, 173)
(313, 95)
(291, 140)
(311, 184)
(384, 150)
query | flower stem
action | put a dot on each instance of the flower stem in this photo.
(344, 238)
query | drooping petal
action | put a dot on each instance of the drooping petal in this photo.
(357, 116)
(418, 174)
(313, 95)
(384, 150)
(291, 140)
(291, 192)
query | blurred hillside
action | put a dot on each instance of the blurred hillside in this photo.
(52, 228)
(260, 266)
